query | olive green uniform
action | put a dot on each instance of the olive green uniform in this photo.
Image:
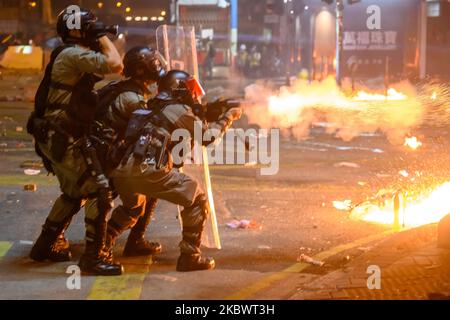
(69, 67)
(135, 182)
(118, 116)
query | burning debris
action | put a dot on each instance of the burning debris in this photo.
(405, 209)
(413, 143)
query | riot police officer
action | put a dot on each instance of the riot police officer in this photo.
(147, 169)
(143, 67)
(63, 113)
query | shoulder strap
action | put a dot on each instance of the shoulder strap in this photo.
(42, 92)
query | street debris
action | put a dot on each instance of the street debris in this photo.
(383, 175)
(244, 224)
(264, 247)
(3, 145)
(19, 129)
(32, 164)
(30, 187)
(404, 173)
(32, 172)
(365, 249)
(347, 165)
(307, 259)
(164, 277)
(26, 242)
(345, 205)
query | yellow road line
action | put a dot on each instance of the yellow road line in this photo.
(4, 247)
(125, 287)
(250, 290)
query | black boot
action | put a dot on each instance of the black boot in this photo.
(136, 245)
(47, 247)
(95, 261)
(194, 219)
(194, 262)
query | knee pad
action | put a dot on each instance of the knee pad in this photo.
(197, 214)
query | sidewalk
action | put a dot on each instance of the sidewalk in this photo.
(412, 268)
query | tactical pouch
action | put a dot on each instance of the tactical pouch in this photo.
(60, 143)
(138, 120)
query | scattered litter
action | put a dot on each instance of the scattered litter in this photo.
(307, 259)
(32, 164)
(305, 249)
(164, 278)
(20, 145)
(383, 175)
(362, 183)
(404, 173)
(3, 145)
(365, 249)
(347, 165)
(263, 207)
(244, 224)
(343, 205)
(19, 129)
(26, 242)
(264, 247)
(30, 187)
(346, 258)
(32, 172)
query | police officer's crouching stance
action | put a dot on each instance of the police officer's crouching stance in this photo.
(143, 67)
(147, 168)
(61, 123)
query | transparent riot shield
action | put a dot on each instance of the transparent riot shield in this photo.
(177, 45)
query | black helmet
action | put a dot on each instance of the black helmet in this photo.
(181, 86)
(144, 63)
(68, 19)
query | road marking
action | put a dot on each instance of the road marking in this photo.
(250, 290)
(4, 247)
(125, 287)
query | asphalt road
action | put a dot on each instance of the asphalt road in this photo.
(294, 209)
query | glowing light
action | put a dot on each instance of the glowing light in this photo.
(121, 36)
(160, 18)
(127, 9)
(163, 13)
(100, 5)
(413, 143)
(392, 95)
(424, 210)
(137, 18)
(144, 18)
(434, 96)
(154, 18)
(129, 18)
(32, 4)
(118, 4)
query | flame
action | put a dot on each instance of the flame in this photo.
(434, 95)
(413, 143)
(392, 95)
(410, 213)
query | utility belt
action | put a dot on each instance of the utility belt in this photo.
(44, 130)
